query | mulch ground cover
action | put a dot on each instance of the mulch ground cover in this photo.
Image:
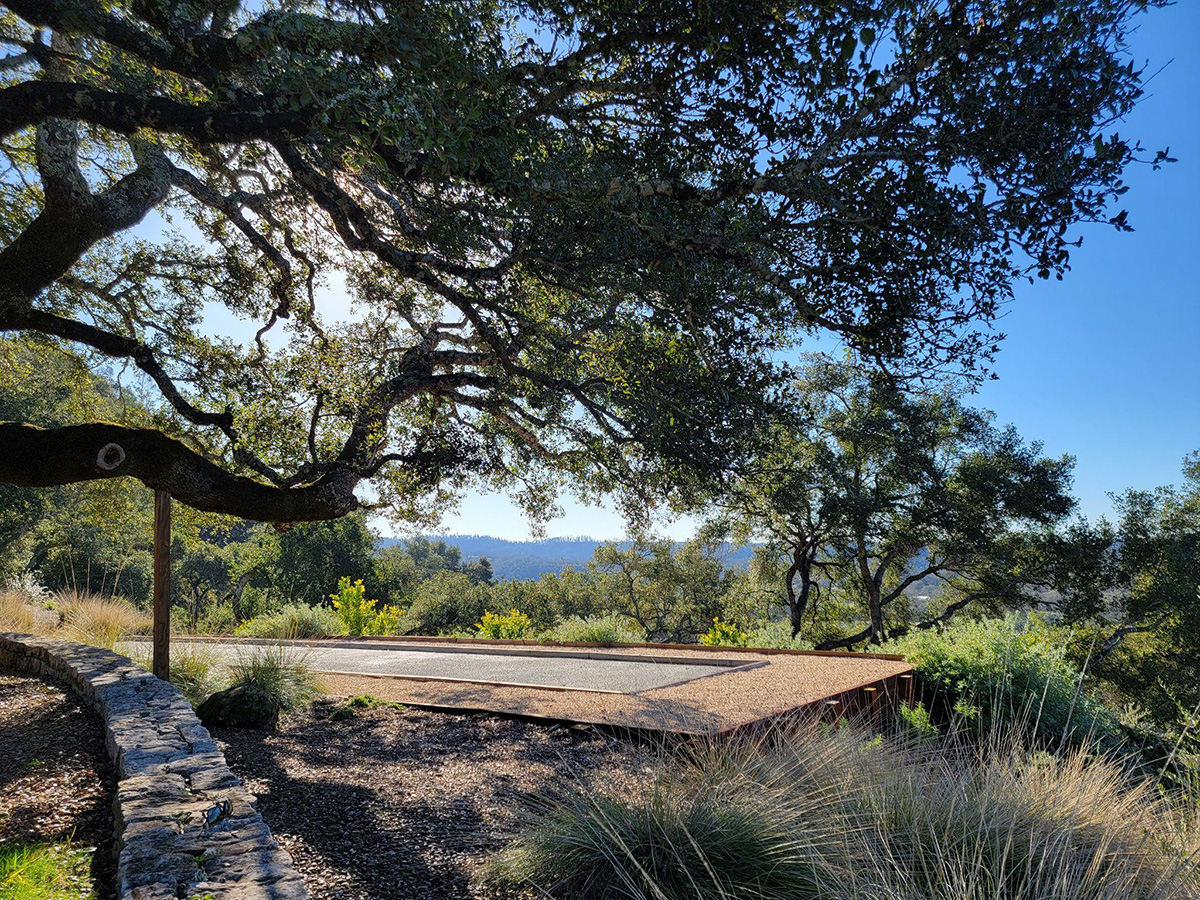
(407, 803)
(56, 781)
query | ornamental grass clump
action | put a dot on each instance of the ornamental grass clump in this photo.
(722, 822)
(296, 621)
(824, 814)
(195, 669)
(99, 621)
(16, 614)
(282, 672)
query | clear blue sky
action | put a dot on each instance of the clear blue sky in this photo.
(1104, 365)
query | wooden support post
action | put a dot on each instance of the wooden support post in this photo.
(870, 697)
(162, 585)
(832, 711)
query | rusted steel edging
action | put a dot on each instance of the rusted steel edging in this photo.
(170, 774)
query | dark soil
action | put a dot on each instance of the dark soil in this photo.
(407, 803)
(56, 781)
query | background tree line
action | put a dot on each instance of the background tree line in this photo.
(875, 511)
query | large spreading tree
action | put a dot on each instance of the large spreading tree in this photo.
(574, 237)
(873, 490)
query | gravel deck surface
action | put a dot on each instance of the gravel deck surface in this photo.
(529, 668)
(702, 705)
(722, 699)
(56, 782)
(405, 803)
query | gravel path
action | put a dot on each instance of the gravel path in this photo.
(406, 803)
(56, 782)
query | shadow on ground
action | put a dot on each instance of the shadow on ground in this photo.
(407, 803)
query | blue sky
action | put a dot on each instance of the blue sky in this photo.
(1104, 365)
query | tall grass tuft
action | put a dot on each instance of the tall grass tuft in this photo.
(100, 621)
(1002, 821)
(16, 614)
(838, 816)
(281, 671)
(195, 669)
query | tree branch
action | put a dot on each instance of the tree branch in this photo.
(37, 457)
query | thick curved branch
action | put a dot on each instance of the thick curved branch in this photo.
(33, 102)
(37, 457)
(69, 226)
(117, 346)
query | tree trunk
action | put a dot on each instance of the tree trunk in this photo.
(798, 603)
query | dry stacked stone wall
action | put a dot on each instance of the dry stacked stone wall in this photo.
(172, 780)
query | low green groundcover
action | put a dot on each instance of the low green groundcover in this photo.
(39, 871)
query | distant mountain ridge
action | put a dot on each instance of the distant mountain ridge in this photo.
(528, 559)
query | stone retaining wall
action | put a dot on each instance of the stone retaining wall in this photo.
(170, 774)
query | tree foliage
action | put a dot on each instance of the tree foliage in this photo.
(573, 236)
(874, 489)
(1143, 590)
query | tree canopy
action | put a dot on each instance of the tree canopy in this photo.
(874, 490)
(574, 237)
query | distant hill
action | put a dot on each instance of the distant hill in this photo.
(529, 559)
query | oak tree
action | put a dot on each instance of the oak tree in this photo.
(574, 237)
(876, 489)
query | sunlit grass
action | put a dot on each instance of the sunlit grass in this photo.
(195, 668)
(281, 671)
(45, 872)
(100, 621)
(15, 613)
(841, 816)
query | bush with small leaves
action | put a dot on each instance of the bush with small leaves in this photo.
(724, 634)
(1009, 672)
(612, 629)
(513, 625)
(295, 621)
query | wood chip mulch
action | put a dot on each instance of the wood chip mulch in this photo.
(56, 781)
(408, 803)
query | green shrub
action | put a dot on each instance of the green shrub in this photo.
(724, 634)
(296, 621)
(360, 616)
(611, 629)
(445, 602)
(217, 619)
(915, 724)
(777, 636)
(1008, 672)
(510, 626)
(281, 671)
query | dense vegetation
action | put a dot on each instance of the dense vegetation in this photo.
(535, 247)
